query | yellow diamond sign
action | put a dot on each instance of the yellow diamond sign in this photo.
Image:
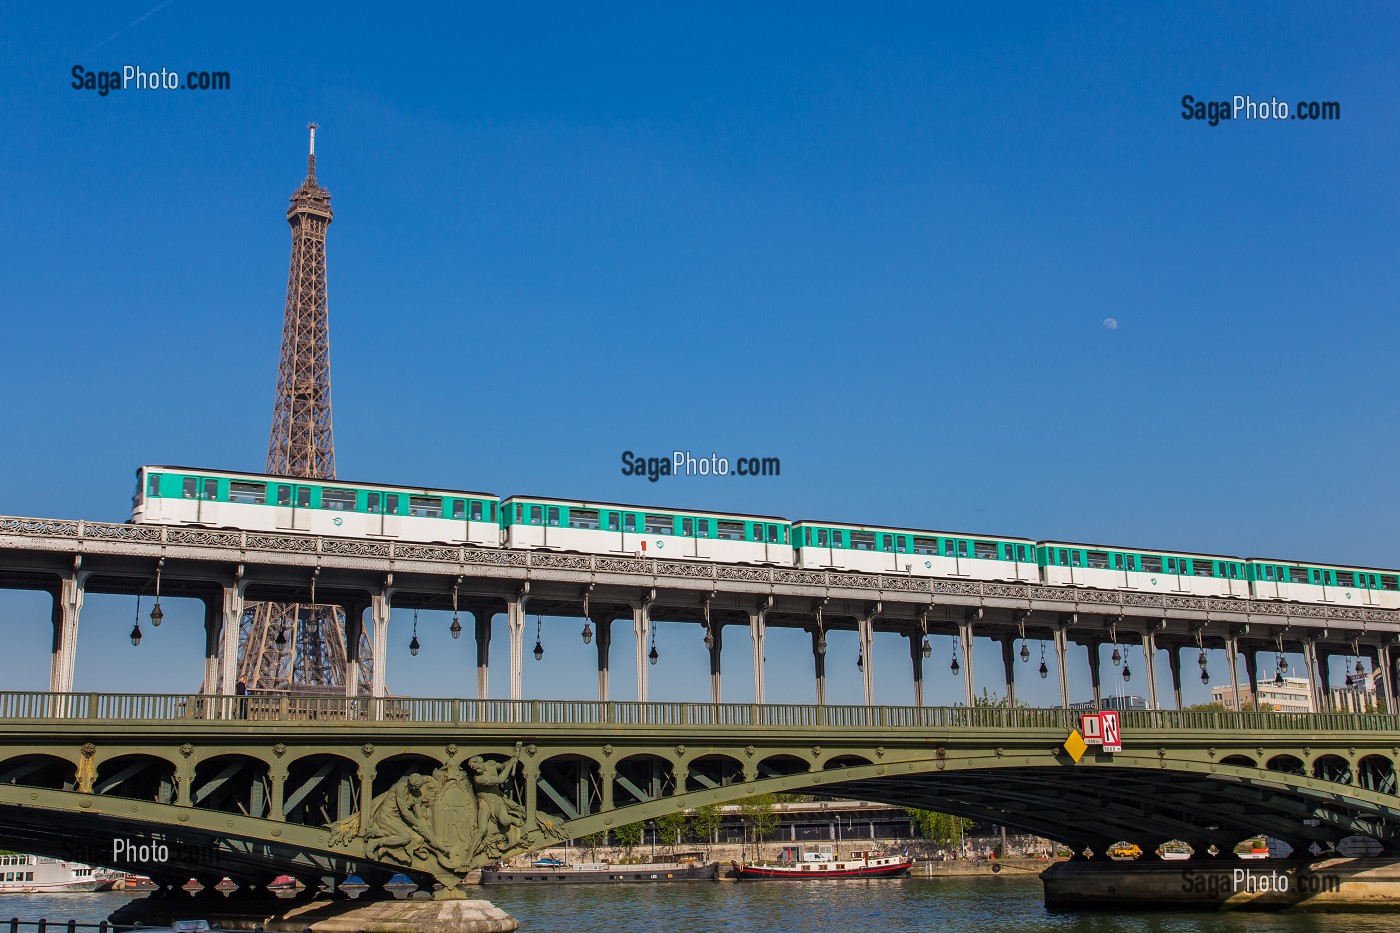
(1075, 745)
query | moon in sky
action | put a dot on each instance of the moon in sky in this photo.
(1110, 323)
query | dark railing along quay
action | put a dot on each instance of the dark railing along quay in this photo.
(158, 707)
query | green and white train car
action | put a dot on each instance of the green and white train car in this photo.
(870, 549)
(1324, 583)
(175, 495)
(610, 528)
(1115, 568)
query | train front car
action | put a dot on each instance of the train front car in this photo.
(1323, 583)
(174, 495)
(639, 531)
(1093, 565)
(868, 549)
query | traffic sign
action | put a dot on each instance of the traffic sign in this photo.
(1091, 727)
(1108, 727)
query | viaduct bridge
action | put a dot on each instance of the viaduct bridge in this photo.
(320, 786)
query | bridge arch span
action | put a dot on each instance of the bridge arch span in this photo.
(232, 783)
(321, 789)
(1377, 773)
(783, 766)
(387, 771)
(837, 762)
(1332, 768)
(1243, 761)
(39, 769)
(716, 769)
(1287, 764)
(569, 786)
(137, 776)
(642, 778)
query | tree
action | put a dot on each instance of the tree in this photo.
(761, 813)
(628, 836)
(593, 841)
(669, 827)
(942, 828)
(704, 821)
(992, 699)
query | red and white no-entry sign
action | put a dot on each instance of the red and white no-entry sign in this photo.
(1108, 728)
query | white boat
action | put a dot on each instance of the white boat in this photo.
(801, 863)
(34, 874)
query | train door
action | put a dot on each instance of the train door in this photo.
(386, 506)
(1122, 567)
(293, 507)
(205, 493)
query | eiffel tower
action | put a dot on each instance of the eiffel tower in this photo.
(300, 647)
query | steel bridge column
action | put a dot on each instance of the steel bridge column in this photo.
(641, 628)
(233, 619)
(819, 663)
(1093, 646)
(1383, 663)
(1319, 675)
(366, 792)
(604, 644)
(1061, 643)
(758, 632)
(717, 643)
(1251, 673)
(1008, 663)
(1174, 662)
(67, 603)
(532, 780)
(865, 628)
(916, 657)
(277, 809)
(380, 604)
(213, 618)
(965, 636)
(1232, 657)
(1149, 651)
(515, 621)
(481, 624)
(354, 628)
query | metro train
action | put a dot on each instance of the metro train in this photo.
(175, 495)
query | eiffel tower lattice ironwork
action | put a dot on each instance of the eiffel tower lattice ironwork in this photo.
(302, 646)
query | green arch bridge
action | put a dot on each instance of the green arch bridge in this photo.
(319, 787)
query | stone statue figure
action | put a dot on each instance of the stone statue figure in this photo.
(448, 822)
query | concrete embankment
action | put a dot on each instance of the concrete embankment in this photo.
(968, 868)
(1223, 884)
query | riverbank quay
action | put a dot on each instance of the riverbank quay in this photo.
(444, 912)
(1224, 884)
(979, 868)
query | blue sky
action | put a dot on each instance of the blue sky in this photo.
(880, 245)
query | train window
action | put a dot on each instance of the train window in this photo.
(1098, 560)
(772, 534)
(1268, 571)
(688, 527)
(613, 524)
(925, 546)
(1021, 553)
(1389, 582)
(459, 510)
(862, 540)
(247, 493)
(1297, 575)
(734, 531)
(584, 518)
(153, 484)
(887, 542)
(987, 550)
(1171, 565)
(659, 525)
(1076, 558)
(391, 504)
(343, 499)
(1117, 561)
(629, 521)
(372, 501)
(552, 516)
(702, 528)
(211, 489)
(425, 506)
(1345, 578)
(1202, 568)
(1064, 558)
(536, 514)
(284, 495)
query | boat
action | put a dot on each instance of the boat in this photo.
(806, 862)
(687, 867)
(35, 874)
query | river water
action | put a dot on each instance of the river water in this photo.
(939, 905)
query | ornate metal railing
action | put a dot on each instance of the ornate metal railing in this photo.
(716, 574)
(147, 708)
